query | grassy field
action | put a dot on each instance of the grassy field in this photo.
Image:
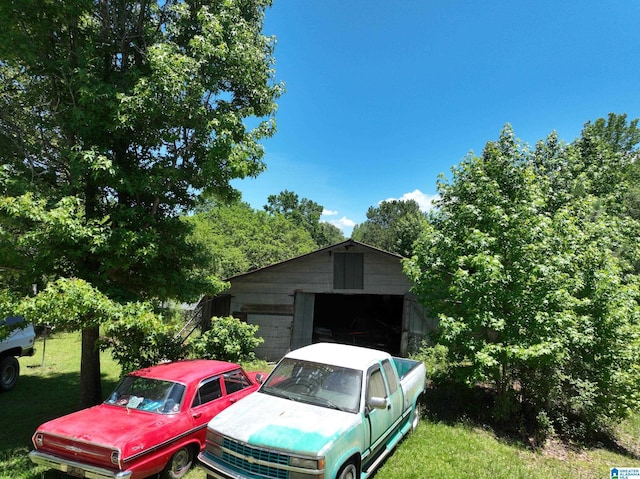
(438, 449)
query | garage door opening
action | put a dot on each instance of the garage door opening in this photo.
(373, 321)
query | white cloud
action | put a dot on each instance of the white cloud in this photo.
(424, 200)
(343, 223)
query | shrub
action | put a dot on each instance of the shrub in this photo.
(435, 360)
(229, 339)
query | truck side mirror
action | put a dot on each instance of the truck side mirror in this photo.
(377, 403)
(259, 378)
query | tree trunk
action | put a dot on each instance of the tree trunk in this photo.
(90, 385)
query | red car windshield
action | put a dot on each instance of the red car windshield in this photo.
(147, 394)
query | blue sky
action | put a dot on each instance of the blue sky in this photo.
(385, 95)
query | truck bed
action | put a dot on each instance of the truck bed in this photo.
(412, 376)
(405, 366)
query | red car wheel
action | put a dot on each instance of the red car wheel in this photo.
(179, 464)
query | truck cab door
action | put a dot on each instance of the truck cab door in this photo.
(378, 409)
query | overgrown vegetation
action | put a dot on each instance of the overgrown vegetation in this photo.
(531, 263)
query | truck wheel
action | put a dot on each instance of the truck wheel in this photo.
(348, 471)
(179, 464)
(416, 415)
(9, 372)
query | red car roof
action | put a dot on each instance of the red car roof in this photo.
(187, 370)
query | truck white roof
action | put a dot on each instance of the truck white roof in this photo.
(344, 355)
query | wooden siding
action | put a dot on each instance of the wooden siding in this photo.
(276, 332)
(314, 274)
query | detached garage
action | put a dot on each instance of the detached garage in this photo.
(348, 293)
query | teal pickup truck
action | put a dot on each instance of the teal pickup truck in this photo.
(327, 411)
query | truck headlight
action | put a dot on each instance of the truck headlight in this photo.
(303, 463)
(214, 443)
(306, 468)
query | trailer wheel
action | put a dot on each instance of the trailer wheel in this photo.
(348, 471)
(9, 372)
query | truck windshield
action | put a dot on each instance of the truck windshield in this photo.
(320, 384)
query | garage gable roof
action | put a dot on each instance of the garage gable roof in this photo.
(343, 245)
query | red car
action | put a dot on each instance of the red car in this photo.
(154, 422)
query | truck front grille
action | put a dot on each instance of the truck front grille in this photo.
(246, 458)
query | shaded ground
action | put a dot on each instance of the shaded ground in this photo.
(453, 404)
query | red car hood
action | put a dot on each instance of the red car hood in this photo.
(129, 430)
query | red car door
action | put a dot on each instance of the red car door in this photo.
(237, 385)
(207, 402)
(218, 393)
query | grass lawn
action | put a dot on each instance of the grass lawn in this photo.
(438, 450)
(435, 450)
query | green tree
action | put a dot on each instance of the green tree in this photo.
(136, 333)
(328, 234)
(241, 239)
(393, 226)
(121, 115)
(522, 265)
(305, 213)
(601, 162)
(72, 304)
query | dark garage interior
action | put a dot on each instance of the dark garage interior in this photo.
(369, 320)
